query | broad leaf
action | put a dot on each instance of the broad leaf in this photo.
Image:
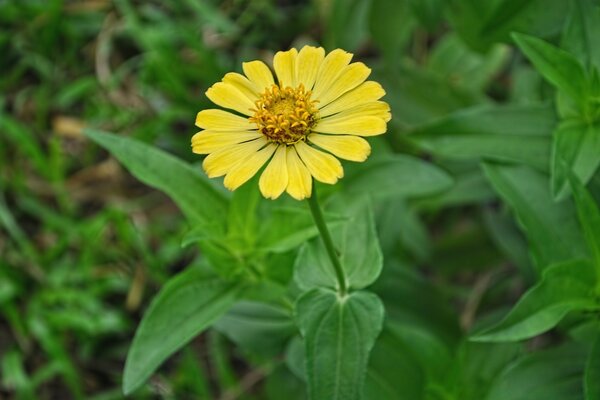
(553, 233)
(187, 186)
(559, 67)
(188, 304)
(397, 175)
(339, 334)
(563, 288)
(549, 375)
(591, 381)
(358, 248)
(577, 149)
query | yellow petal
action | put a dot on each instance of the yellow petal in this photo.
(362, 126)
(353, 148)
(247, 168)
(274, 179)
(220, 120)
(333, 64)
(284, 62)
(374, 109)
(307, 65)
(299, 179)
(222, 160)
(228, 96)
(324, 167)
(208, 141)
(352, 76)
(242, 84)
(259, 74)
(364, 93)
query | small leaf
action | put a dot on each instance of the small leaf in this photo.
(186, 185)
(553, 234)
(186, 305)
(358, 248)
(591, 381)
(339, 334)
(397, 175)
(564, 287)
(559, 68)
(577, 149)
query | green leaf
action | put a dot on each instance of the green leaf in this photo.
(551, 229)
(559, 67)
(358, 249)
(576, 148)
(186, 305)
(589, 218)
(564, 287)
(582, 31)
(397, 175)
(515, 133)
(591, 381)
(553, 374)
(339, 334)
(187, 186)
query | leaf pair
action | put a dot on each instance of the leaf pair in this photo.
(577, 137)
(571, 285)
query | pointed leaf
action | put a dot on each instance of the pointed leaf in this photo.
(559, 67)
(186, 185)
(563, 288)
(553, 233)
(188, 304)
(339, 334)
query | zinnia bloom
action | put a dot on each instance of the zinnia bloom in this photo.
(317, 110)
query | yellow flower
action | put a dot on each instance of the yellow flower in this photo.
(317, 111)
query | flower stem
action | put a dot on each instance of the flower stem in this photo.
(327, 241)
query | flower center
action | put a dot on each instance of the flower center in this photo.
(285, 115)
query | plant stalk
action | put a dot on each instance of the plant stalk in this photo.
(327, 241)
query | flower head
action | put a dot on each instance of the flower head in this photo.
(319, 109)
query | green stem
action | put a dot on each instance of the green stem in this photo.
(327, 241)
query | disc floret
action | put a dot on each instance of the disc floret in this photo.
(285, 115)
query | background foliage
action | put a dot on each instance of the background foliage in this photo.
(488, 222)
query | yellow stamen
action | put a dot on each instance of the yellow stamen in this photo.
(285, 115)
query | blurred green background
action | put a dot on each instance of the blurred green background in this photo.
(84, 246)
